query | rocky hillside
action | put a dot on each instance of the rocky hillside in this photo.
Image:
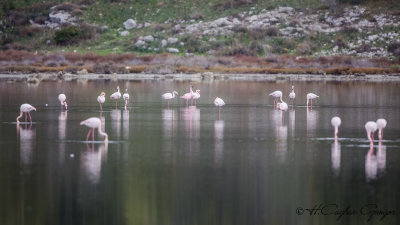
(220, 28)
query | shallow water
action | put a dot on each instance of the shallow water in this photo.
(184, 166)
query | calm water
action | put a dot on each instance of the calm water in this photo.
(183, 166)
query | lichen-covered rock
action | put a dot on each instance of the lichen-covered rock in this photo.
(130, 24)
(173, 50)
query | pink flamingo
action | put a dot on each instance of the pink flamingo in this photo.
(277, 95)
(195, 96)
(62, 98)
(115, 96)
(188, 96)
(25, 108)
(93, 123)
(381, 123)
(371, 127)
(126, 97)
(336, 121)
(101, 99)
(292, 96)
(219, 102)
(169, 96)
(310, 97)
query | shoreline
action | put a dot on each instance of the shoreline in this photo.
(207, 76)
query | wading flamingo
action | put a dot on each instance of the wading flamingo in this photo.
(336, 121)
(219, 102)
(169, 96)
(25, 108)
(195, 96)
(187, 97)
(371, 127)
(93, 123)
(116, 96)
(101, 99)
(62, 98)
(126, 97)
(381, 123)
(283, 106)
(292, 95)
(310, 97)
(277, 95)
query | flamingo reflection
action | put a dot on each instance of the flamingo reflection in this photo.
(116, 122)
(219, 140)
(381, 157)
(335, 156)
(27, 137)
(125, 126)
(292, 119)
(91, 161)
(371, 164)
(169, 122)
(312, 122)
(62, 134)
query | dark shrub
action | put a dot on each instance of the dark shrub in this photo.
(394, 48)
(67, 35)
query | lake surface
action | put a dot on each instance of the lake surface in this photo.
(183, 166)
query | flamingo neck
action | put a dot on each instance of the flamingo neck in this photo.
(103, 133)
(20, 115)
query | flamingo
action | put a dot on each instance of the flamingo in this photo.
(219, 102)
(188, 96)
(126, 97)
(169, 96)
(283, 106)
(93, 123)
(195, 96)
(62, 98)
(292, 95)
(310, 97)
(336, 121)
(116, 96)
(277, 95)
(371, 127)
(101, 99)
(25, 108)
(381, 123)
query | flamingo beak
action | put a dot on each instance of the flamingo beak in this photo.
(83, 122)
(33, 108)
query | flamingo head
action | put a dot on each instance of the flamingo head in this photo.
(126, 90)
(65, 104)
(102, 94)
(175, 92)
(292, 87)
(118, 88)
(198, 91)
(83, 123)
(278, 105)
(33, 108)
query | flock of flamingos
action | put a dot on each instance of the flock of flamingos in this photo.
(95, 122)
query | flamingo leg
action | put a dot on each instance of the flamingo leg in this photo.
(30, 118)
(187, 102)
(168, 103)
(93, 134)
(87, 137)
(101, 107)
(25, 117)
(219, 113)
(311, 104)
(116, 104)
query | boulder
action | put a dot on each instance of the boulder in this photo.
(173, 50)
(148, 38)
(124, 33)
(140, 43)
(130, 24)
(164, 43)
(172, 40)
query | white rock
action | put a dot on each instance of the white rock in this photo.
(173, 50)
(181, 44)
(373, 37)
(164, 43)
(140, 43)
(129, 24)
(172, 40)
(148, 38)
(146, 24)
(335, 49)
(124, 33)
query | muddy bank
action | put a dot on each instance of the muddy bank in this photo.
(207, 76)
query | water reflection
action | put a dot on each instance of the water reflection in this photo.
(169, 118)
(27, 137)
(91, 161)
(62, 134)
(191, 119)
(125, 127)
(312, 122)
(219, 140)
(381, 155)
(292, 119)
(281, 142)
(371, 165)
(116, 122)
(335, 157)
